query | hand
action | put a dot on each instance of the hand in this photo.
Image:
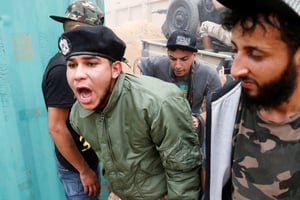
(113, 196)
(222, 76)
(162, 198)
(90, 182)
(195, 122)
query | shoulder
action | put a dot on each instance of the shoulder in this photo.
(148, 85)
(154, 60)
(229, 90)
(201, 67)
(204, 66)
(57, 59)
(157, 66)
(56, 64)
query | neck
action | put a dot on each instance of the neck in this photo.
(285, 111)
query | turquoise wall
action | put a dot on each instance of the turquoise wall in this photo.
(28, 38)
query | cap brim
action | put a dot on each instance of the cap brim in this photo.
(229, 3)
(238, 4)
(182, 47)
(247, 5)
(93, 54)
(59, 19)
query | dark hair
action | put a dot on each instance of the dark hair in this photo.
(286, 20)
(174, 48)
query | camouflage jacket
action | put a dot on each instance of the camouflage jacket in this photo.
(248, 156)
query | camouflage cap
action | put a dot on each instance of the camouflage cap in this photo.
(82, 11)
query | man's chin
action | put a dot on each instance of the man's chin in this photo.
(251, 100)
(88, 106)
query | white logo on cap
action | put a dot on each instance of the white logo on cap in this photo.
(64, 46)
(184, 41)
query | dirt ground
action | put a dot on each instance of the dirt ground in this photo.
(132, 33)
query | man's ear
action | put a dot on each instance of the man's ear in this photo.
(195, 55)
(116, 69)
(297, 57)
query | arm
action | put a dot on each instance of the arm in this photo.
(179, 148)
(147, 65)
(214, 81)
(200, 129)
(208, 28)
(64, 142)
(222, 76)
(207, 80)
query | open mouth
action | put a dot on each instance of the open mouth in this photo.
(84, 95)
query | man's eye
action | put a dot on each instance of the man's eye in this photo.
(71, 65)
(92, 64)
(184, 59)
(255, 56)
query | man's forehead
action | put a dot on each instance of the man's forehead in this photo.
(180, 54)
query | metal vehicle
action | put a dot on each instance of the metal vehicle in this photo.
(188, 15)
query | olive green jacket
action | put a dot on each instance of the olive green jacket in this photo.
(145, 140)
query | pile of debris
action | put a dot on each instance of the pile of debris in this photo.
(132, 33)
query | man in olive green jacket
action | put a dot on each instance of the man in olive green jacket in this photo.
(140, 127)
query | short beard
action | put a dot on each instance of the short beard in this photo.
(105, 98)
(275, 93)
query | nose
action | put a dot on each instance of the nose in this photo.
(178, 64)
(80, 72)
(238, 67)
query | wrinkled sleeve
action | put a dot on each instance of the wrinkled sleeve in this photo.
(151, 66)
(178, 145)
(215, 30)
(214, 82)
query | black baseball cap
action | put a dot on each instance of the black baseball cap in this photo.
(181, 39)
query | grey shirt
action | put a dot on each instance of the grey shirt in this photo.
(202, 80)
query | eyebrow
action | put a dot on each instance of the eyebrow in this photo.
(179, 57)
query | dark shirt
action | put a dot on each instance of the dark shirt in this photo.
(57, 93)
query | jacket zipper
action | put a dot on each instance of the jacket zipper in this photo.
(108, 139)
